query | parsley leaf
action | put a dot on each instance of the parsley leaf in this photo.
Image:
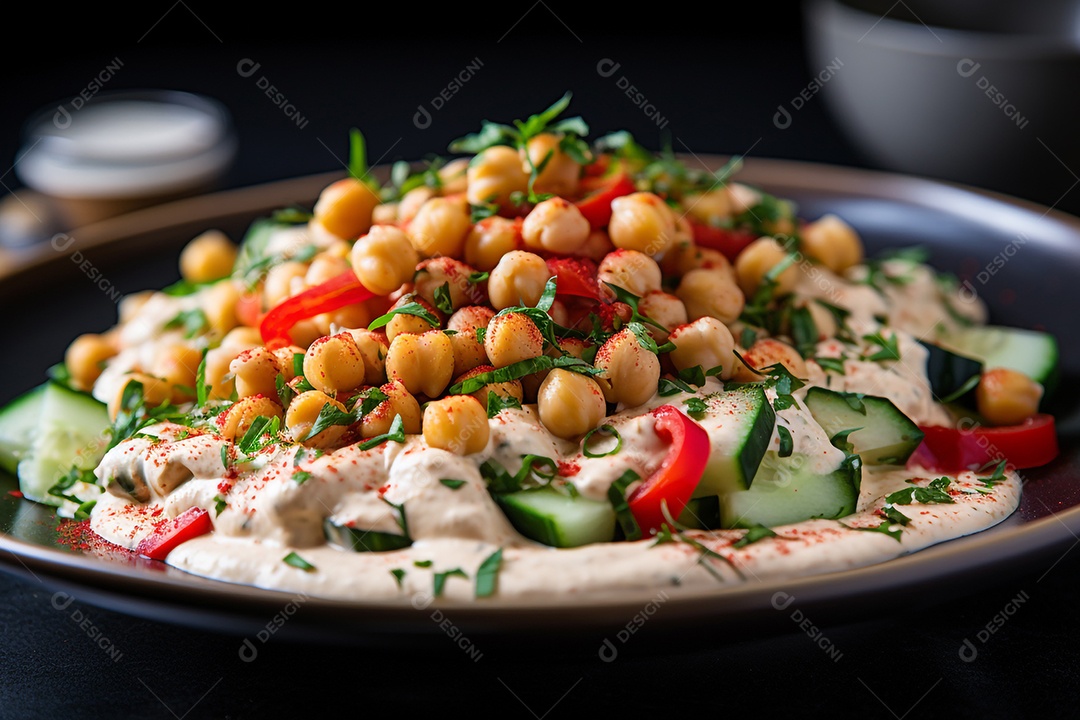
(617, 495)
(753, 535)
(298, 562)
(410, 308)
(441, 578)
(787, 443)
(497, 403)
(452, 484)
(443, 301)
(487, 575)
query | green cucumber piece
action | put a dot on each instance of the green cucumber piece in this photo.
(887, 437)
(701, 513)
(359, 540)
(1031, 352)
(18, 422)
(949, 373)
(552, 518)
(71, 432)
(785, 492)
(740, 425)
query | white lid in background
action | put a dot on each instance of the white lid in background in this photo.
(128, 145)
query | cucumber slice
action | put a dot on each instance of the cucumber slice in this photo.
(701, 513)
(740, 425)
(948, 373)
(1031, 352)
(18, 422)
(363, 540)
(550, 517)
(887, 437)
(71, 432)
(784, 491)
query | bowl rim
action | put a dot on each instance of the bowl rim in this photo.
(835, 17)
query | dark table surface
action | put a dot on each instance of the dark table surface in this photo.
(713, 84)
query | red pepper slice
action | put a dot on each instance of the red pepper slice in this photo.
(971, 447)
(678, 475)
(729, 242)
(186, 526)
(335, 293)
(575, 276)
(249, 309)
(599, 192)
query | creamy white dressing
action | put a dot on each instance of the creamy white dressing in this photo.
(262, 512)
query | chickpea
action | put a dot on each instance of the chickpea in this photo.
(303, 411)
(468, 351)
(218, 302)
(518, 279)
(256, 371)
(306, 332)
(833, 243)
(285, 357)
(454, 176)
(630, 270)
(489, 240)
(596, 246)
(412, 201)
(324, 266)
(384, 259)
(665, 309)
(405, 324)
(766, 352)
(422, 363)
(630, 370)
(333, 364)
(706, 342)
(210, 256)
(555, 225)
(457, 423)
(238, 419)
(344, 208)
(282, 282)
(373, 347)
(1007, 397)
(355, 315)
(385, 214)
(561, 173)
(755, 262)
(711, 293)
(218, 377)
(178, 364)
(85, 359)
(154, 391)
(454, 274)
(570, 404)
(241, 338)
(511, 388)
(710, 206)
(494, 175)
(399, 402)
(641, 221)
(512, 338)
(440, 227)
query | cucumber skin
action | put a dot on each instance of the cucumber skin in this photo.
(733, 468)
(822, 401)
(947, 372)
(363, 540)
(18, 420)
(976, 339)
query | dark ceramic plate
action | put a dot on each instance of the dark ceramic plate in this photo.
(1023, 259)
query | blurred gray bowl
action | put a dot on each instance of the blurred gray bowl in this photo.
(982, 93)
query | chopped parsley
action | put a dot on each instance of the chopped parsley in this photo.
(409, 308)
(452, 483)
(487, 575)
(607, 430)
(399, 575)
(194, 322)
(497, 403)
(220, 504)
(440, 579)
(298, 562)
(889, 348)
(617, 495)
(755, 534)
(787, 444)
(443, 301)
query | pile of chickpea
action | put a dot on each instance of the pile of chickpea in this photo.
(404, 251)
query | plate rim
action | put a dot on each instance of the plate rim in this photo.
(994, 546)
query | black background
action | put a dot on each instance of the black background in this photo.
(716, 75)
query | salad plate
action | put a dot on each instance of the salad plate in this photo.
(1021, 259)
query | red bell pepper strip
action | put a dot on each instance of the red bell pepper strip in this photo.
(729, 242)
(335, 293)
(249, 309)
(575, 276)
(972, 447)
(678, 475)
(186, 526)
(599, 192)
